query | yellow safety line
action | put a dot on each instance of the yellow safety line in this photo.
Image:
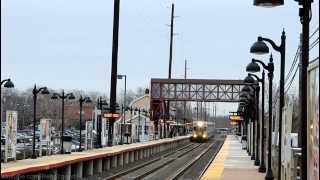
(216, 168)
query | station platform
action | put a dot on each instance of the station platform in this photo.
(232, 162)
(125, 152)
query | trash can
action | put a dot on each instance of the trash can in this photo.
(67, 143)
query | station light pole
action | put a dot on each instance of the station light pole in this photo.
(254, 67)
(7, 83)
(123, 106)
(81, 101)
(260, 47)
(35, 92)
(305, 18)
(62, 96)
(262, 167)
(249, 79)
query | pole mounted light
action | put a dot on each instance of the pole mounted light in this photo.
(7, 83)
(123, 106)
(81, 101)
(254, 67)
(62, 96)
(268, 3)
(35, 92)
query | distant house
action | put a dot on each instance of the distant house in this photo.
(141, 127)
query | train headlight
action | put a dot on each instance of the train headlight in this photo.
(200, 123)
(204, 135)
(194, 135)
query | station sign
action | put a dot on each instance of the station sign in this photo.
(235, 118)
(111, 115)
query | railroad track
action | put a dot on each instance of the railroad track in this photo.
(174, 165)
(199, 164)
(127, 172)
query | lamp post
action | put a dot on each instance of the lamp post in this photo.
(260, 47)
(254, 67)
(62, 96)
(246, 94)
(124, 105)
(7, 84)
(262, 167)
(81, 101)
(35, 91)
(305, 17)
(249, 79)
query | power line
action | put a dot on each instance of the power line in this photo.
(315, 31)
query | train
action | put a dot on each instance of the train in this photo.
(202, 131)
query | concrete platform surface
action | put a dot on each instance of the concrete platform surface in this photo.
(54, 161)
(232, 162)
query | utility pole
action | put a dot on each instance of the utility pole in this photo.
(184, 103)
(170, 67)
(114, 65)
(171, 40)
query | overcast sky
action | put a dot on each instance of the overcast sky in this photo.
(67, 43)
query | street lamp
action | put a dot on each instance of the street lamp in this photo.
(62, 96)
(7, 83)
(81, 101)
(305, 18)
(268, 3)
(262, 167)
(260, 47)
(124, 105)
(246, 96)
(35, 91)
(254, 67)
(249, 79)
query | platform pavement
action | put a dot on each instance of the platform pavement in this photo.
(54, 161)
(232, 162)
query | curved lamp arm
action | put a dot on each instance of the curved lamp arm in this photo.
(5, 80)
(273, 44)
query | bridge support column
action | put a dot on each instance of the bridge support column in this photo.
(136, 155)
(131, 156)
(88, 168)
(140, 154)
(97, 165)
(53, 174)
(66, 172)
(78, 170)
(106, 163)
(114, 161)
(126, 158)
(120, 159)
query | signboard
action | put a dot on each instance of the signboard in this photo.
(235, 118)
(313, 121)
(11, 134)
(89, 135)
